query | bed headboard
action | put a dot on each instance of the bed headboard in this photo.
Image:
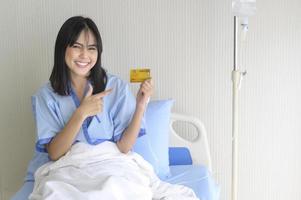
(198, 147)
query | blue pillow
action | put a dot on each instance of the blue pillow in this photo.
(179, 156)
(153, 146)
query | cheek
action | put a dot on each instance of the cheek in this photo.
(94, 58)
(67, 59)
(68, 56)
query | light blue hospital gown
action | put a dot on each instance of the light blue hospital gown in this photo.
(53, 111)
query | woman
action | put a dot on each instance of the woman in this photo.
(81, 102)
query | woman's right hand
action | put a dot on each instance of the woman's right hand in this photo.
(92, 104)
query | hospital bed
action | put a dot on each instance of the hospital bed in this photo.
(189, 160)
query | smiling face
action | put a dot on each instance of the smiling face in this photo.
(82, 55)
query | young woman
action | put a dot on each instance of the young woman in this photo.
(81, 102)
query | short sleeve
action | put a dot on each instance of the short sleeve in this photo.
(47, 120)
(123, 112)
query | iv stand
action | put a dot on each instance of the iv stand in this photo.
(236, 80)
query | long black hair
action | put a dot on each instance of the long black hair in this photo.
(67, 36)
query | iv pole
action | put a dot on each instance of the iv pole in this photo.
(236, 79)
(243, 8)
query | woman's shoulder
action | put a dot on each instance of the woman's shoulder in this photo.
(115, 81)
(45, 92)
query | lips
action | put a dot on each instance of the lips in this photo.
(82, 64)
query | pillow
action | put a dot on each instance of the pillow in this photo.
(153, 146)
(179, 156)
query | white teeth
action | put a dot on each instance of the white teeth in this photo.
(82, 63)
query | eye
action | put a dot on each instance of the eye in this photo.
(76, 46)
(92, 48)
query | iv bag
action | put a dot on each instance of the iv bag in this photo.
(243, 8)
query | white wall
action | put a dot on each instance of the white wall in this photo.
(188, 45)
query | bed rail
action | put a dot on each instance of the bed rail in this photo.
(199, 147)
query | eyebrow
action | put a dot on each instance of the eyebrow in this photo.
(90, 45)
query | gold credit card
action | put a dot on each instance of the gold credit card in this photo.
(139, 75)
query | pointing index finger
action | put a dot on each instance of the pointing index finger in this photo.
(104, 93)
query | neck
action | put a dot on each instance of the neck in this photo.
(78, 82)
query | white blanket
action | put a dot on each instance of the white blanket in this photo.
(102, 172)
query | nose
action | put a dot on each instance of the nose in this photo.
(83, 52)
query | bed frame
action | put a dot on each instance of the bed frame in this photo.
(199, 147)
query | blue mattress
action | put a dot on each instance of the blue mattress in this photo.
(24, 192)
(195, 177)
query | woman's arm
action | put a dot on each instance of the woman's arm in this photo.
(130, 134)
(62, 142)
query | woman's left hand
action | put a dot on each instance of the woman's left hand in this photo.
(144, 93)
